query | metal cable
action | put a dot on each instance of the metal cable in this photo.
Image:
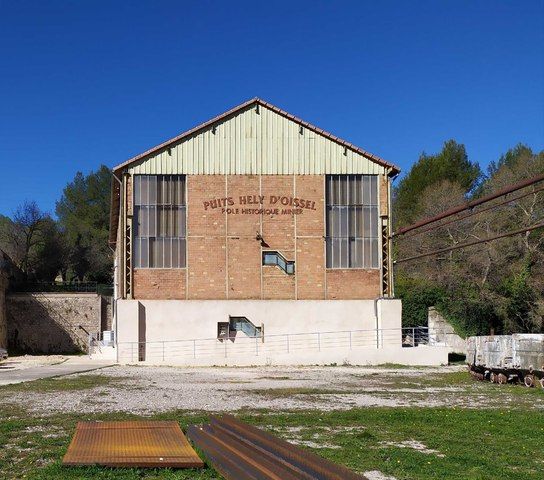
(434, 227)
(469, 205)
(470, 244)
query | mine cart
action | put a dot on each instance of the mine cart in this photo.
(507, 358)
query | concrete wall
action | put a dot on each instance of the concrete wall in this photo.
(442, 333)
(53, 322)
(298, 332)
(295, 332)
(179, 320)
(106, 314)
(229, 354)
(389, 321)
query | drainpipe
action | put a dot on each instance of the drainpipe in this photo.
(390, 240)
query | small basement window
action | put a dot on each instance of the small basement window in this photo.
(277, 259)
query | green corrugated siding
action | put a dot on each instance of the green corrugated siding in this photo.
(256, 143)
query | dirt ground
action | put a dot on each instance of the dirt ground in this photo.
(320, 408)
(144, 390)
(29, 361)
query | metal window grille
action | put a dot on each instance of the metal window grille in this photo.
(352, 221)
(159, 221)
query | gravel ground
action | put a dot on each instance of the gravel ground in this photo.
(144, 390)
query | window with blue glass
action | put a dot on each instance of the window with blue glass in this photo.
(277, 259)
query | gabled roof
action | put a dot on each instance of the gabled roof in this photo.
(258, 101)
(115, 189)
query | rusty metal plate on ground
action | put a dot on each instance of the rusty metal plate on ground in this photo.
(242, 452)
(131, 444)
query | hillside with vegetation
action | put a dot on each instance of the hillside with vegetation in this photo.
(496, 286)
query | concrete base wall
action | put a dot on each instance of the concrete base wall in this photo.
(172, 332)
(52, 322)
(364, 356)
(158, 320)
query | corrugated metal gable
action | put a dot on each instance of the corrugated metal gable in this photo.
(256, 140)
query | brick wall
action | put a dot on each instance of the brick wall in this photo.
(224, 255)
(277, 285)
(349, 284)
(52, 322)
(159, 283)
(310, 244)
(206, 239)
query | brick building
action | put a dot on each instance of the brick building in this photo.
(253, 222)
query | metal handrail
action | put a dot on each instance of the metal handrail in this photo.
(283, 342)
(324, 332)
(270, 335)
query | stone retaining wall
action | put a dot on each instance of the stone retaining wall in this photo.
(53, 322)
(3, 320)
(442, 333)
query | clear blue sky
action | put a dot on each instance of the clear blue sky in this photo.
(90, 82)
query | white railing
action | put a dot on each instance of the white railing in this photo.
(278, 344)
(97, 340)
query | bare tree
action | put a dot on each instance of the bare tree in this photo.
(501, 281)
(26, 232)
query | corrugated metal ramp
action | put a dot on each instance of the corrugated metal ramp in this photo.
(131, 444)
(242, 452)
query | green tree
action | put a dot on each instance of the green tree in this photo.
(49, 258)
(6, 226)
(83, 213)
(493, 286)
(511, 159)
(450, 164)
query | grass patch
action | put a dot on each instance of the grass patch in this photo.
(401, 380)
(472, 442)
(273, 393)
(449, 379)
(478, 443)
(61, 384)
(460, 379)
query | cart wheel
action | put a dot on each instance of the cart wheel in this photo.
(541, 382)
(529, 381)
(502, 378)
